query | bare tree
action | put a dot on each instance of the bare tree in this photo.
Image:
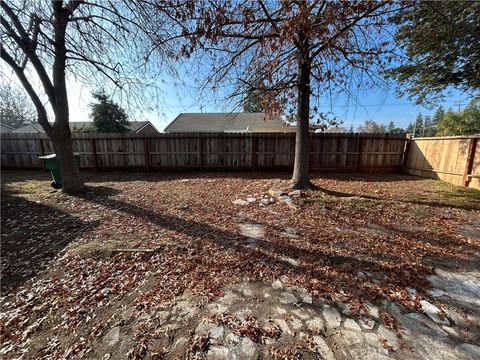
(294, 53)
(95, 41)
(16, 109)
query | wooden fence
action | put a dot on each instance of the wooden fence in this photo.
(351, 152)
(455, 159)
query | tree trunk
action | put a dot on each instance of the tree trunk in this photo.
(300, 178)
(61, 135)
(62, 143)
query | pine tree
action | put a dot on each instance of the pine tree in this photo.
(107, 116)
(391, 127)
(415, 128)
(437, 117)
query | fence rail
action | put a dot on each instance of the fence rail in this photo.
(455, 159)
(213, 151)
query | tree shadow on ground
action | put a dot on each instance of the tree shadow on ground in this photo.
(318, 270)
(32, 235)
(441, 203)
(158, 176)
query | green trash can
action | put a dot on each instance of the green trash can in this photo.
(51, 164)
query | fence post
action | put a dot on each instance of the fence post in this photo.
(200, 151)
(42, 151)
(309, 146)
(470, 157)
(146, 152)
(360, 151)
(254, 151)
(94, 152)
(408, 141)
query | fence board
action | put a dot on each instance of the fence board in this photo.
(213, 150)
(453, 159)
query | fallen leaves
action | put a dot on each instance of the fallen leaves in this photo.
(63, 282)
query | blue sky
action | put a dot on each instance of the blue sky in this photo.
(379, 105)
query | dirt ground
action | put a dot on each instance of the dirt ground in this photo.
(212, 265)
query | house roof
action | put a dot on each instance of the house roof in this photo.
(7, 126)
(134, 126)
(222, 122)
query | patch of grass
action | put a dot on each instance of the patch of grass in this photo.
(456, 193)
(313, 200)
(25, 188)
(419, 210)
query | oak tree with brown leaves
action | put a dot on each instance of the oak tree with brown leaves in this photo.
(293, 53)
(97, 42)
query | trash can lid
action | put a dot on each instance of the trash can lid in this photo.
(46, 157)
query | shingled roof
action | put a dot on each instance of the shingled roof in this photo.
(226, 122)
(134, 126)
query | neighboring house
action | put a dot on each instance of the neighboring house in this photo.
(4, 128)
(336, 130)
(227, 122)
(136, 127)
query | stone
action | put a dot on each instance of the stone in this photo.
(301, 313)
(469, 350)
(127, 314)
(367, 324)
(332, 317)
(351, 324)
(276, 193)
(216, 352)
(372, 339)
(433, 313)
(277, 284)
(204, 328)
(232, 339)
(288, 261)
(264, 202)
(229, 298)
(296, 324)
(247, 292)
(436, 293)
(282, 324)
(217, 308)
(295, 193)
(323, 348)
(291, 232)
(457, 318)
(288, 298)
(411, 291)
(240, 202)
(388, 335)
(451, 331)
(375, 345)
(286, 200)
(162, 315)
(372, 310)
(216, 332)
(180, 342)
(316, 324)
(345, 309)
(307, 298)
(250, 230)
(417, 322)
(247, 349)
(280, 310)
(113, 336)
(251, 199)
